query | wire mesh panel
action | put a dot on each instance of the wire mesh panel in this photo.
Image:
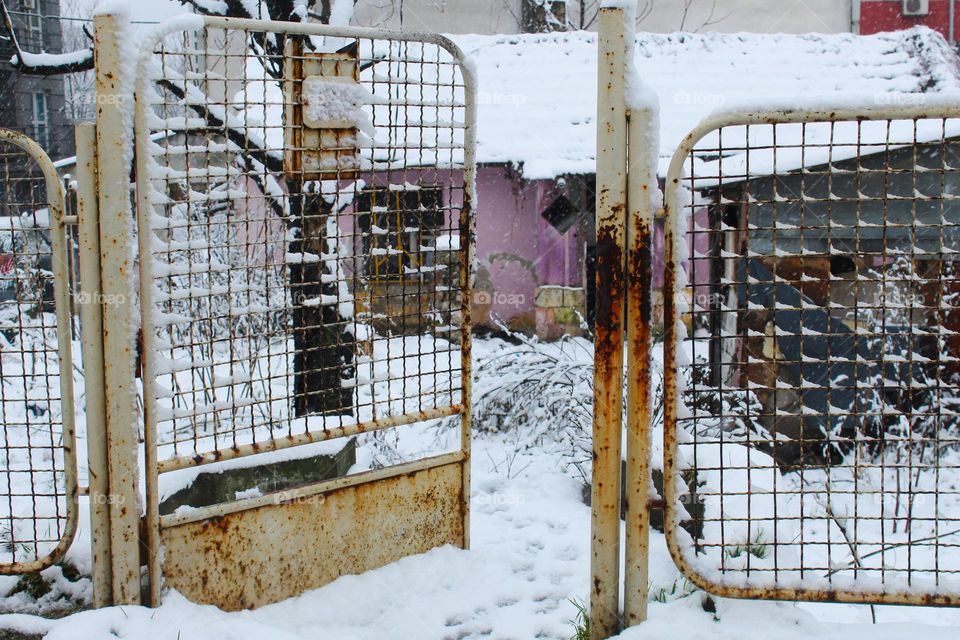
(304, 205)
(812, 377)
(305, 279)
(38, 488)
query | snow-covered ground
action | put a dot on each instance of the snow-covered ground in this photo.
(530, 558)
(528, 566)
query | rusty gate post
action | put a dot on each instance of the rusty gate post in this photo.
(116, 240)
(91, 322)
(642, 194)
(608, 377)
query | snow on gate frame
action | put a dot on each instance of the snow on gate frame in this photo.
(871, 182)
(835, 417)
(295, 298)
(40, 487)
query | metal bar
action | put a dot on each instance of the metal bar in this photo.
(608, 377)
(113, 164)
(921, 107)
(61, 280)
(317, 29)
(144, 235)
(59, 266)
(91, 333)
(300, 493)
(641, 204)
(952, 29)
(468, 266)
(286, 442)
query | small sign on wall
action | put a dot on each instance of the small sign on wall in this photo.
(325, 121)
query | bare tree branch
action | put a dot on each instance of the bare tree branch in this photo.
(43, 64)
(710, 20)
(272, 160)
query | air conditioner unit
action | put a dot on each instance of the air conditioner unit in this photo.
(916, 7)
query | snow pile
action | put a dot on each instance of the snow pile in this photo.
(529, 559)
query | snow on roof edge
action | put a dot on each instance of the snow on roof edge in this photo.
(538, 91)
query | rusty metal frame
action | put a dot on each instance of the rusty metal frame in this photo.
(643, 200)
(91, 322)
(59, 266)
(117, 272)
(681, 547)
(611, 306)
(169, 527)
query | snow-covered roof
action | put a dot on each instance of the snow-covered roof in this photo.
(537, 92)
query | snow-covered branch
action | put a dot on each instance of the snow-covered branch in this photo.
(43, 64)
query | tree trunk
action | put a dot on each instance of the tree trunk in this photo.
(322, 337)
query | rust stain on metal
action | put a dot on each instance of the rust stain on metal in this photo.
(242, 566)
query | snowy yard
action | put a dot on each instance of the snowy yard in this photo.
(528, 566)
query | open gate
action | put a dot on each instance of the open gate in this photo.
(38, 482)
(304, 199)
(811, 370)
(811, 382)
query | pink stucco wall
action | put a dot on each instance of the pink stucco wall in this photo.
(517, 250)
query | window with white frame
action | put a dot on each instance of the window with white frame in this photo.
(40, 123)
(34, 23)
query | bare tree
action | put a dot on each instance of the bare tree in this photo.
(323, 357)
(585, 17)
(79, 86)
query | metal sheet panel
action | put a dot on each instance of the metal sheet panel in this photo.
(255, 557)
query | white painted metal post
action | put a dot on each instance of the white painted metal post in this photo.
(91, 332)
(116, 222)
(608, 377)
(641, 195)
(468, 267)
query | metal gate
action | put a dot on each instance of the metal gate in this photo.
(38, 483)
(811, 361)
(305, 228)
(811, 369)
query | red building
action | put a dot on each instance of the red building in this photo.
(889, 15)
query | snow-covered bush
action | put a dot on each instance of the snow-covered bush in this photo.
(720, 410)
(543, 393)
(909, 393)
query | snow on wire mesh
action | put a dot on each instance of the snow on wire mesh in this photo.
(37, 509)
(815, 436)
(297, 285)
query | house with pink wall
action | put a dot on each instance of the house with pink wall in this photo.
(537, 138)
(536, 143)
